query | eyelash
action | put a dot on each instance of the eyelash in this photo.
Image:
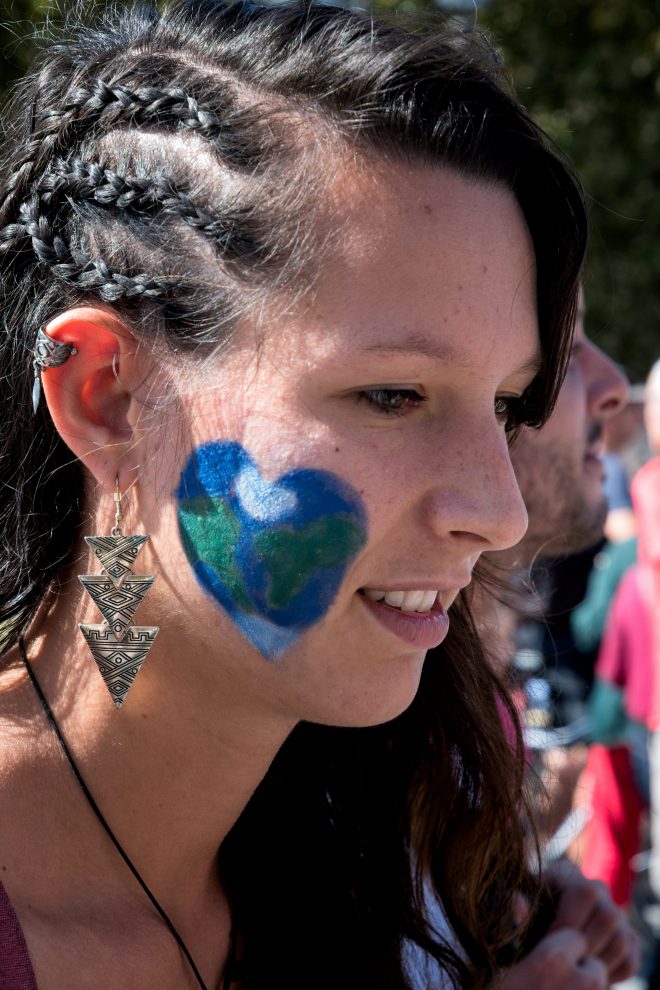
(508, 411)
(391, 401)
(399, 401)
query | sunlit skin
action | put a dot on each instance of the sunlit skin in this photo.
(428, 306)
(438, 304)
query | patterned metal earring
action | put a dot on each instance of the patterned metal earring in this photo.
(118, 648)
(47, 353)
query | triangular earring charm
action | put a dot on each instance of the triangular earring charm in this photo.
(118, 648)
(116, 554)
(119, 661)
(118, 604)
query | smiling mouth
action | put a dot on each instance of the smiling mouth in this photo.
(404, 601)
(417, 617)
(593, 458)
(595, 445)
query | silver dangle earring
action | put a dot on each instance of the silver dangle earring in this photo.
(48, 353)
(118, 648)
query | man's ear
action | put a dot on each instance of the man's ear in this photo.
(90, 397)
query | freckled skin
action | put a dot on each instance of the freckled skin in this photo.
(436, 483)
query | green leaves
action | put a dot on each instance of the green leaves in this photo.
(590, 72)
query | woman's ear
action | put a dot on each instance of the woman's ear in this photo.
(90, 397)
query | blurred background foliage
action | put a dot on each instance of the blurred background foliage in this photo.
(589, 71)
(19, 20)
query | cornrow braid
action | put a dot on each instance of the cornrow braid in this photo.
(110, 102)
(75, 267)
(83, 180)
(102, 106)
(186, 165)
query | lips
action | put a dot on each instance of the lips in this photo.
(407, 601)
(594, 451)
(593, 463)
(420, 594)
(422, 630)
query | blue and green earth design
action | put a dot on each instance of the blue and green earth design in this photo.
(273, 554)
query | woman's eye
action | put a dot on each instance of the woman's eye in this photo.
(391, 401)
(507, 411)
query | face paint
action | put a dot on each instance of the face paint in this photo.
(273, 554)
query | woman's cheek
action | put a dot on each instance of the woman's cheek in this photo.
(272, 554)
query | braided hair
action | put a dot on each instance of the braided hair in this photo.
(173, 165)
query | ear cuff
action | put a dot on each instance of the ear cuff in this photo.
(48, 353)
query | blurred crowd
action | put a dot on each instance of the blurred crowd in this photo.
(589, 686)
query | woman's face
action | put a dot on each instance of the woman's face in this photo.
(356, 447)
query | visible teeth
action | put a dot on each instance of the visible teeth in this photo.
(407, 601)
(412, 600)
(428, 601)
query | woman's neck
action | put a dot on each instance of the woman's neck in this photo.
(171, 770)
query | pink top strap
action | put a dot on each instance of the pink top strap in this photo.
(16, 971)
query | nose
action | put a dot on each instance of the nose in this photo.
(606, 383)
(476, 505)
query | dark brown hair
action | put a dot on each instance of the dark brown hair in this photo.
(170, 164)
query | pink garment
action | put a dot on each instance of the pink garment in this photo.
(16, 971)
(645, 489)
(625, 657)
(611, 837)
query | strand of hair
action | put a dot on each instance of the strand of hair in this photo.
(82, 271)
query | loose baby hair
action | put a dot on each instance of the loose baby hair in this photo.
(174, 164)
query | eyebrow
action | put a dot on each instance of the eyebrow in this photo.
(425, 347)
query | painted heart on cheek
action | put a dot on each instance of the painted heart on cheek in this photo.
(273, 554)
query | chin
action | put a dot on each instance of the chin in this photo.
(371, 703)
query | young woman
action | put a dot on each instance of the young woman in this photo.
(277, 285)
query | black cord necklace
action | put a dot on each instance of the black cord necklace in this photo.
(111, 835)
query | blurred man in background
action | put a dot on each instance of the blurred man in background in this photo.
(560, 473)
(559, 468)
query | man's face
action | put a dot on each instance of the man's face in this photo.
(559, 469)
